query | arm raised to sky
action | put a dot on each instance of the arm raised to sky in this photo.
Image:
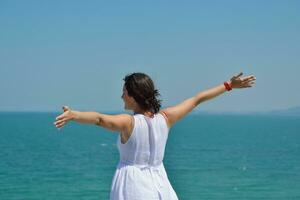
(177, 112)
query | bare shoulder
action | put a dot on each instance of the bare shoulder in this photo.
(177, 112)
(127, 121)
(163, 112)
(124, 116)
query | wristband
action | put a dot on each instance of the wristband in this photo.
(227, 86)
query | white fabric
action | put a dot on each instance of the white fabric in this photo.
(140, 174)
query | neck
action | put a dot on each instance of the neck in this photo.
(146, 113)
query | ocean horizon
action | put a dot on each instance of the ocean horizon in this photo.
(208, 156)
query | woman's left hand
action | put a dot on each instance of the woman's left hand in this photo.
(242, 82)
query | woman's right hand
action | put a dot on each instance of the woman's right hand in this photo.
(64, 118)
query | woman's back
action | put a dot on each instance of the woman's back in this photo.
(146, 145)
(140, 173)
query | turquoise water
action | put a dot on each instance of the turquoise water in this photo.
(207, 157)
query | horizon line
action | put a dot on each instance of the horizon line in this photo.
(193, 111)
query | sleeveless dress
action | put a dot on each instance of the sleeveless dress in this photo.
(140, 174)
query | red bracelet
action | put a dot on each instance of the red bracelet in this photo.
(227, 86)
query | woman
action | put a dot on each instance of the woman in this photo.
(140, 173)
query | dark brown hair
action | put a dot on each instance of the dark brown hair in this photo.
(141, 87)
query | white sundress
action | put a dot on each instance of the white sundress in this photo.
(140, 174)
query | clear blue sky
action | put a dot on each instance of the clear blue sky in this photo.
(76, 53)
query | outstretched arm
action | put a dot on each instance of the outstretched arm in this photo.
(175, 113)
(116, 123)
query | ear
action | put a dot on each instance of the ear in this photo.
(131, 99)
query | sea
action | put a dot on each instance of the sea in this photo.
(208, 156)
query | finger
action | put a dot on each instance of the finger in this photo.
(248, 78)
(60, 121)
(57, 122)
(236, 77)
(240, 74)
(60, 125)
(63, 115)
(245, 86)
(60, 117)
(250, 84)
(251, 77)
(65, 108)
(251, 80)
(245, 78)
